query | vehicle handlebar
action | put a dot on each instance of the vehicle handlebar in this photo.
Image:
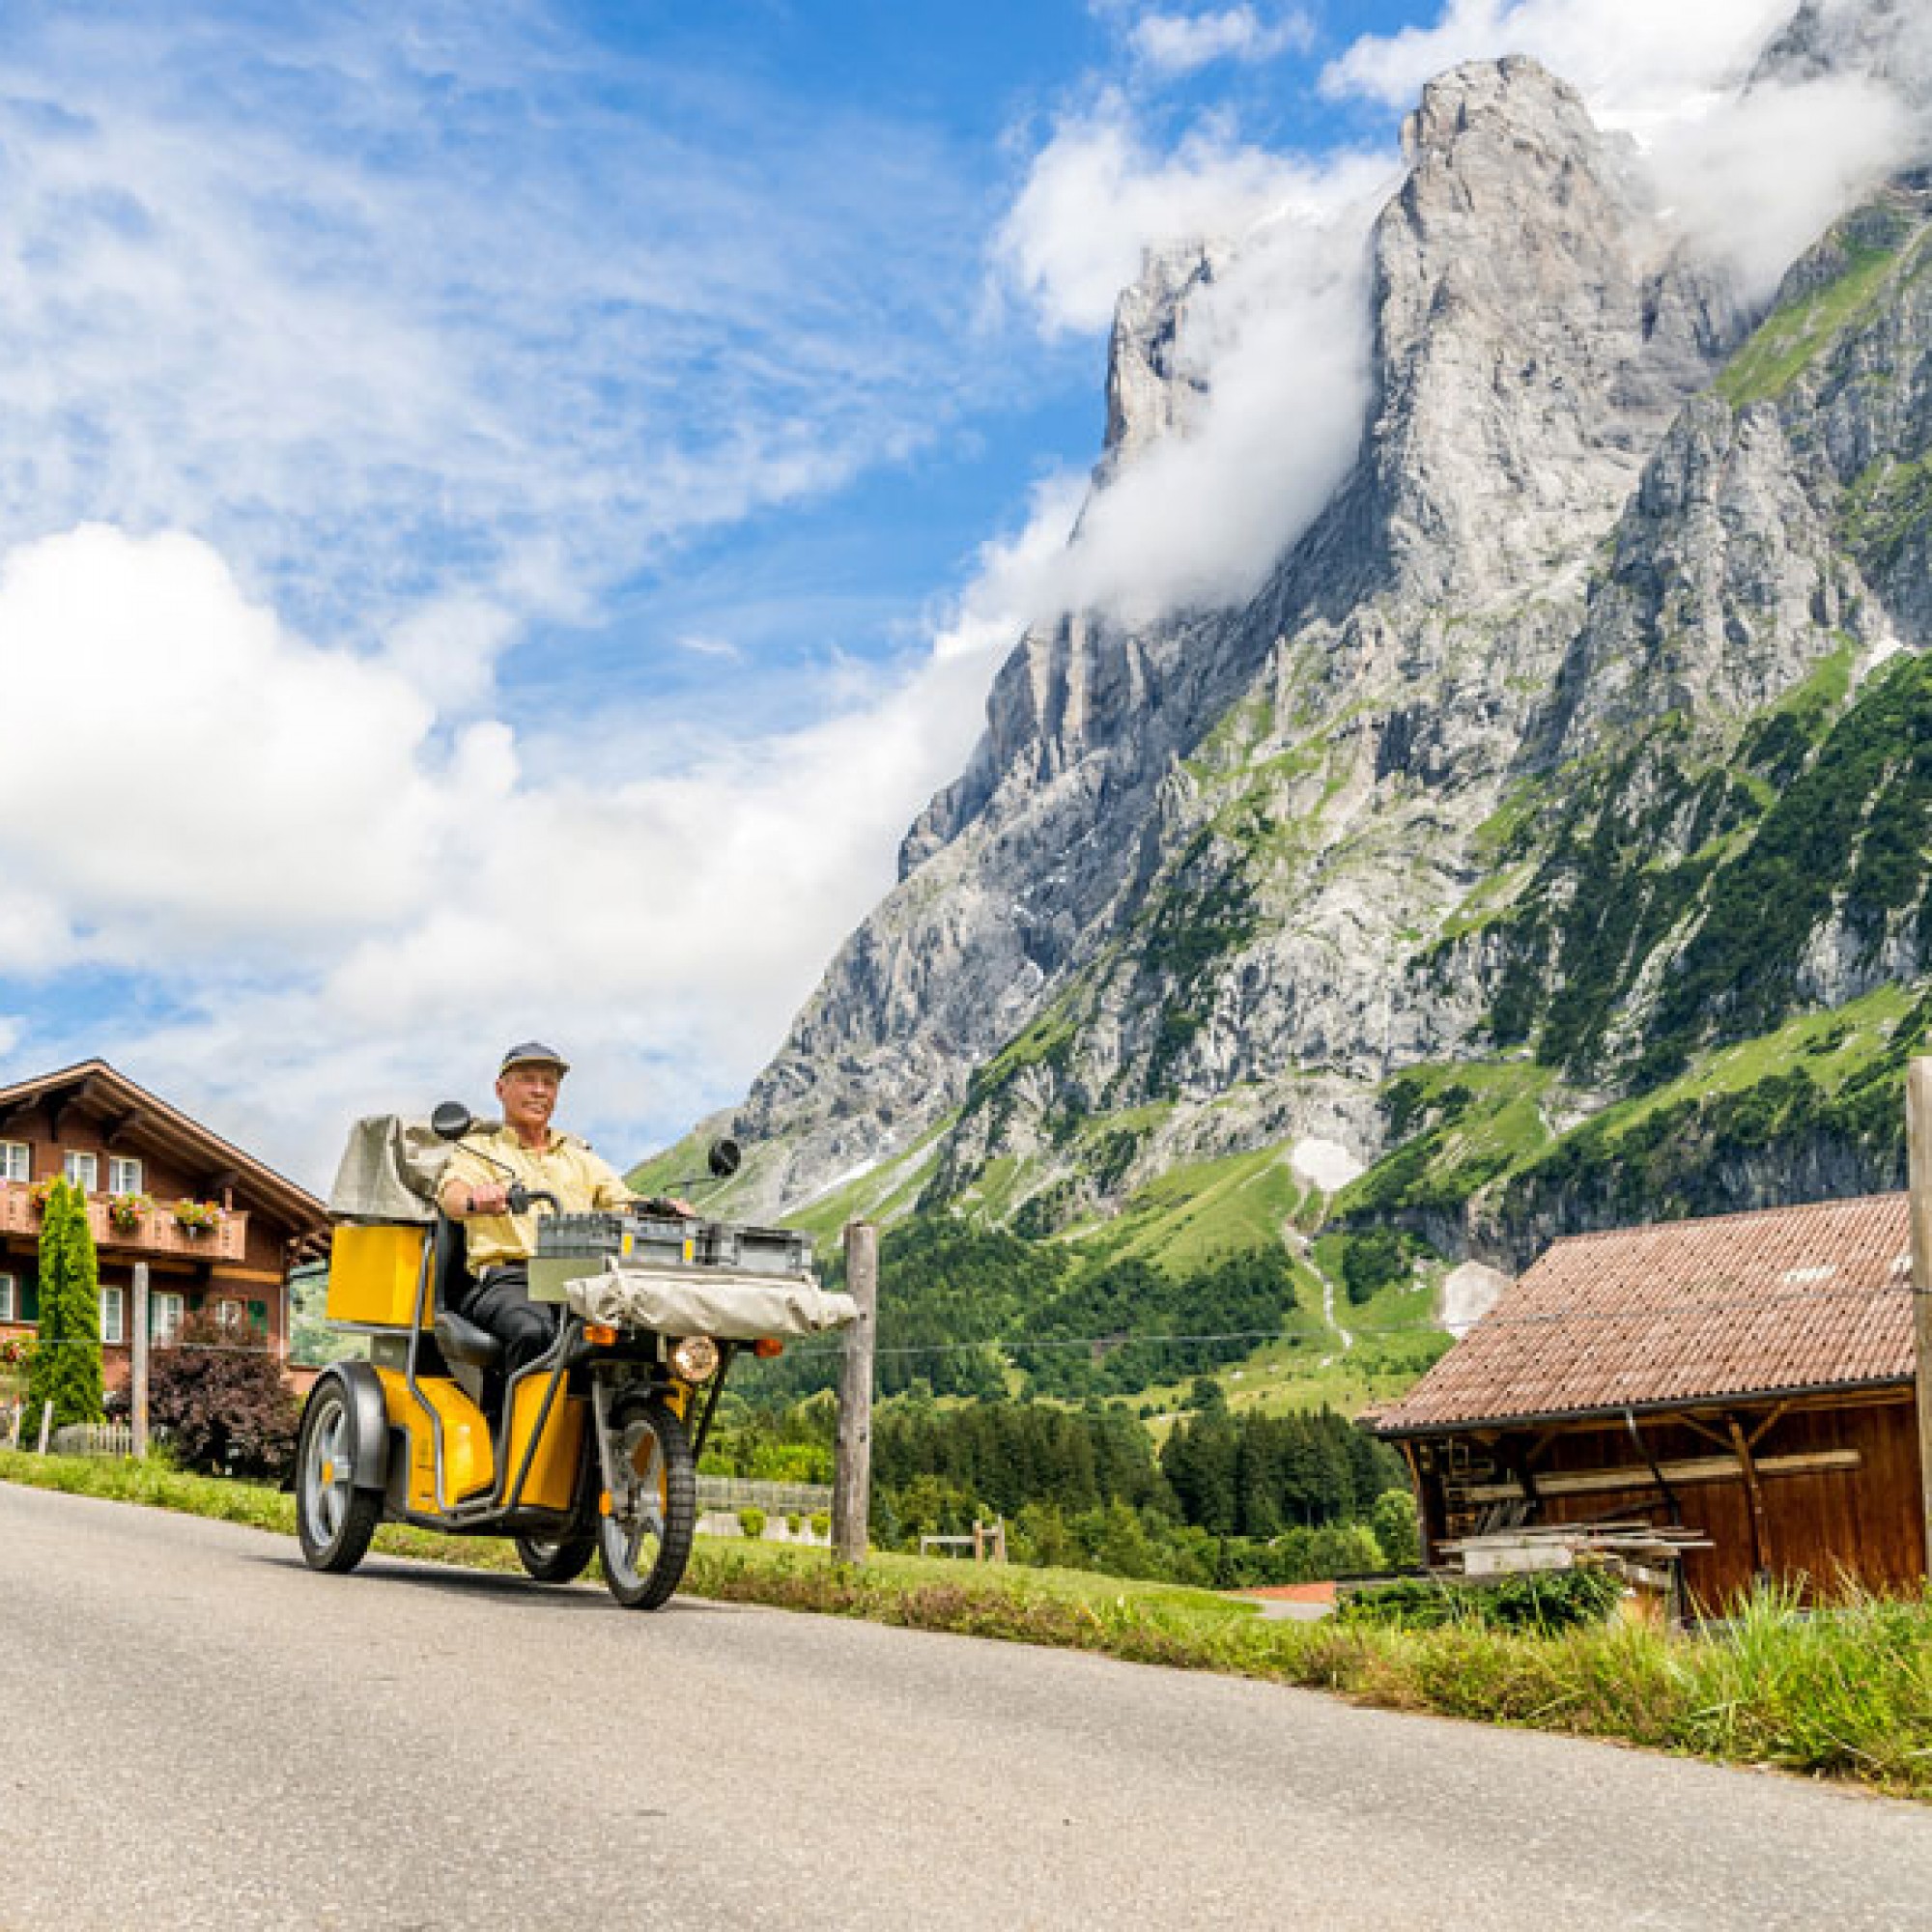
(523, 1199)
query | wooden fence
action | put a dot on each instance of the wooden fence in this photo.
(735, 1492)
(94, 1438)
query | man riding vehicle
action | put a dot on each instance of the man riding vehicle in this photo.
(524, 1149)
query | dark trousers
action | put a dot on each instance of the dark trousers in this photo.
(501, 1302)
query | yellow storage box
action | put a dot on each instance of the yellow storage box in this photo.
(373, 1273)
(552, 1481)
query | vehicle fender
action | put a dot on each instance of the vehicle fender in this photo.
(368, 1416)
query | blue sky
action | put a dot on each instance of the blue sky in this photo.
(506, 513)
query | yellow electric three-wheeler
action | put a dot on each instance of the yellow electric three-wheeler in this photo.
(590, 1449)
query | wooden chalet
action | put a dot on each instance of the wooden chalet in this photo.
(1748, 1378)
(138, 1160)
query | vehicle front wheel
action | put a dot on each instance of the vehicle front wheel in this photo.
(645, 1531)
(562, 1561)
(334, 1519)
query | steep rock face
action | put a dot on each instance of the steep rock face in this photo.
(1732, 821)
(1533, 340)
(1580, 735)
(1150, 392)
(1211, 846)
(1732, 574)
(1880, 37)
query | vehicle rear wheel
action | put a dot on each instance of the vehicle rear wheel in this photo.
(645, 1535)
(334, 1520)
(561, 1561)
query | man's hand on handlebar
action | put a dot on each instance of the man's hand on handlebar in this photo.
(487, 1197)
(504, 1197)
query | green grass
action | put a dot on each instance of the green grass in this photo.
(1791, 337)
(1497, 1128)
(1307, 1369)
(1845, 1693)
(1832, 1046)
(884, 1194)
(1195, 1215)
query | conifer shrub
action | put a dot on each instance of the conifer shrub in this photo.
(65, 1367)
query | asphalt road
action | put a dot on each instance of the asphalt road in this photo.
(200, 1733)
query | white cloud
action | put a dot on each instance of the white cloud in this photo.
(175, 769)
(1756, 181)
(1179, 43)
(1277, 343)
(1096, 196)
(697, 645)
(390, 339)
(1630, 57)
(352, 907)
(1750, 175)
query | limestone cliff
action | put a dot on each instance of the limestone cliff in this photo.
(1464, 780)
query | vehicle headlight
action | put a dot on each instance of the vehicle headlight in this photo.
(694, 1359)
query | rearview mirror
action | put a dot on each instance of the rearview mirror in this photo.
(451, 1121)
(725, 1158)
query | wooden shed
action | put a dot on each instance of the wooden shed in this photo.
(1747, 1377)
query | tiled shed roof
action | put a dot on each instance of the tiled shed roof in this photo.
(1685, 1311)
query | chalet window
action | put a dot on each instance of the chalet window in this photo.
(16, 1161)
(9, 1299)
(165, 1309)
(124, 1176)
(113, 1304)
(229, 1313)
(82, 1170)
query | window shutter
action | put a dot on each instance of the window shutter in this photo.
(258, 1316)
(30, 1300)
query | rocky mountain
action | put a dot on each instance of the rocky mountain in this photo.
(1548, 838)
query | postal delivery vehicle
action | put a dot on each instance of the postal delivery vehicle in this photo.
(590, 1450)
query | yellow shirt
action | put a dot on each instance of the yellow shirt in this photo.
(581, 1180)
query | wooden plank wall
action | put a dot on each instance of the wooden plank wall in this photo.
(1819, 1530)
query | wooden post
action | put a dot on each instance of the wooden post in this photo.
(1760, 1526)
(1918, 1153)
(852, 1472)
(46, 1424)
(138, 1380)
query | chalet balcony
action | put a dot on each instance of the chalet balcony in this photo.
(156, 1232)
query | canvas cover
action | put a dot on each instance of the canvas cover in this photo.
(731, 1306)
(390, 1170)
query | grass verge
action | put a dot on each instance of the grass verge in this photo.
(1843, 1694)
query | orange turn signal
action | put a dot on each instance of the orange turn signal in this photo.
(597, 1332)
(768, 1347)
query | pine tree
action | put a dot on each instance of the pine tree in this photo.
(67, 1355)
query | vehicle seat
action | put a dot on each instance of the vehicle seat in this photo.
(460, 1339)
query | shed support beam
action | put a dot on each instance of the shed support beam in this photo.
(1760, 1531)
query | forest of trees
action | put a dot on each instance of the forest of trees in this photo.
(1226, 1500)
(971, 1317)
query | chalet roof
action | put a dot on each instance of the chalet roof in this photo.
(93, 1087)
(1683, 1313)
